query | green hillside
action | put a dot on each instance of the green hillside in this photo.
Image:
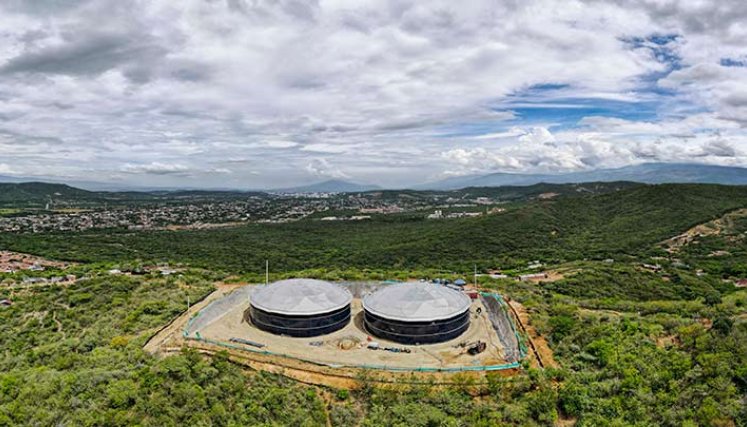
(38, 194)
(635, 347)
(625, 223)
(514, 192)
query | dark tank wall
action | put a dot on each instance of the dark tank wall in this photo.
(299, 326)
(405, 332)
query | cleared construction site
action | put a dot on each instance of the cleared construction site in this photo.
(396, 327)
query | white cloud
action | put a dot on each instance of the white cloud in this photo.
(320, 167)
(156, 168)
(583, 150)
(325, 148)
(537, 135)
(719, 148)
(6, 169)
(280, 144)
(513, 132)
(386, 89)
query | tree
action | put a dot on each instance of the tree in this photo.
(723, 324)
(713, 299)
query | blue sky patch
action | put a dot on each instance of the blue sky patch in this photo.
(567, 112)
(732, 62)
(557, 115)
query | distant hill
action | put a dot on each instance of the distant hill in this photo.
(648, 173)
(86, 185)
(12, 179)
(617, 224)
(40, 193)
(331, 186)
(508, 192)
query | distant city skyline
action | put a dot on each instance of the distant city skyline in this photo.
(257, 95)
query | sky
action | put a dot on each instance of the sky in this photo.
(254, 94)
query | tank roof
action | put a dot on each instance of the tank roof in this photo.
(416, 302)
(300, 297)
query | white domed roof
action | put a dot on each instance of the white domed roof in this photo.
(416, 302)
(300, 297)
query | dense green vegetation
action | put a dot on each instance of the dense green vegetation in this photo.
(72, 355)
(38, 195)
(660, 369)
(635, 347)
(636, 283)
(513, 193)
(622, 224)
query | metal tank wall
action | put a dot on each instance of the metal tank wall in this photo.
(299, 326)
(413, 332)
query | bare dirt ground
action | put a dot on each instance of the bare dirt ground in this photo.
(15, 261)
(548, 196)
(546, 276)
(20, 287)
(566, 422)
(349, 378)
(538, 346)
(170, 339)
(329, 371)
(667, 341)
(348, 346)
(710, 228)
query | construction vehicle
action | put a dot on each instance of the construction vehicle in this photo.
(473, 347)
(477, 348)
(465, 344)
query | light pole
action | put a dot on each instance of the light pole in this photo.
(475, 276)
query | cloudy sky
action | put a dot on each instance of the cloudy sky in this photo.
(262, 94)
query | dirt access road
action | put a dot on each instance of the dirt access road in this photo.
(710, 228)
(538, 346)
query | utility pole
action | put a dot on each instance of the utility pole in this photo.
(267, 271)
(475, 276)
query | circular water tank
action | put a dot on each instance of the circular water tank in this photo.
(300, 307)
(416, 313)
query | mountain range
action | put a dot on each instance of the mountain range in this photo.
(330, 186)
(647, 173)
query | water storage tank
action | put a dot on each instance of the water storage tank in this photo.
(416, 313)
(300, 307)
